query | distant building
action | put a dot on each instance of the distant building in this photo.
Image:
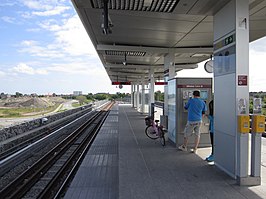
(77, 93)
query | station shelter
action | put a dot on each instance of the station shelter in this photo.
(142, 42)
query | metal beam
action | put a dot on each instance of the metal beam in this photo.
(200, 49)
(180, 66)
(186, 66)
(128, 66)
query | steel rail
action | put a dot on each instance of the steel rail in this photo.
(31, 176)
(20, 156)
(52, 190)
(47, 129)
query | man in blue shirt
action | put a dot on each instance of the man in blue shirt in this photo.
(196, 109)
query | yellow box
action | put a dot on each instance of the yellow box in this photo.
(243, 123)
(258, 123)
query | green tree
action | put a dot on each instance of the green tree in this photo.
(90, 97)
(18, 94)
(159, 96)
(81, 99)
(101, 96)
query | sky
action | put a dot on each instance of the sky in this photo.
(45, 49)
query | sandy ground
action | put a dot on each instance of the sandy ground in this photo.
(6, 122)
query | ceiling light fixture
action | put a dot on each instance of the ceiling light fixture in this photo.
(107, 23)
(125, 61)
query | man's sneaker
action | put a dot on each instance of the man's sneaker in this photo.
(182, 148)
(193, 151)
(210, 158)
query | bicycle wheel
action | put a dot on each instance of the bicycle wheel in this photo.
(150, 132)
(162, 138)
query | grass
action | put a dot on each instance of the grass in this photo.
(76, 104)
(24, 112)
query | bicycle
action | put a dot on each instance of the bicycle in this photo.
(154, 130)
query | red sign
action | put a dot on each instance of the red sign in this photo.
(242, 80)
(121, 83)
(161, 83)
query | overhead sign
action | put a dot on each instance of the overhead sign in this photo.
(224, 42)
(121, 83)
(166, 72)
(161, 83)
(194, 86)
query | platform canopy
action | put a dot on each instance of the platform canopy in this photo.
(131, 36)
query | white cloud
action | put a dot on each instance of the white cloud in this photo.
(38, 5)
(258, 45)
(56, 11)
(74, 39)
(35, 49)
(33, 30)
(24, 68)
(70, 39)
(257, 70)
(50, 25)
(2, 73)
(81, 68)
(44, 8)
(8, 19)
(29, 43)
(26, 15)
(8, 4)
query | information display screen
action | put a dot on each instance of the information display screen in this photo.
(204, 95)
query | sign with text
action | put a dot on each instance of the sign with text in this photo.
(161, 83)
(194, 86)
(121, 83)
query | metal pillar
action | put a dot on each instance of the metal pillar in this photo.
(135, 96)
(258, 127)
(137, 102)
(231, 98)
(132, 95)
(151, 77)
(256, 158)
(142, 95)
(169, 73)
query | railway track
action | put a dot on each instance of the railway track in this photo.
(50, 174)
(37, 134)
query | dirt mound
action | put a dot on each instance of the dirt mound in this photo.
(38, 102)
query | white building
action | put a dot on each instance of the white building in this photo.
(77, 93)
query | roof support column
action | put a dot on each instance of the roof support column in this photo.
(231, 96)
(132, 94)
(142, 95)
(169, 73)
(137, 98)
(151, 77)
(135, 95)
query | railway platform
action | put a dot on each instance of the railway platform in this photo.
(123, 163)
